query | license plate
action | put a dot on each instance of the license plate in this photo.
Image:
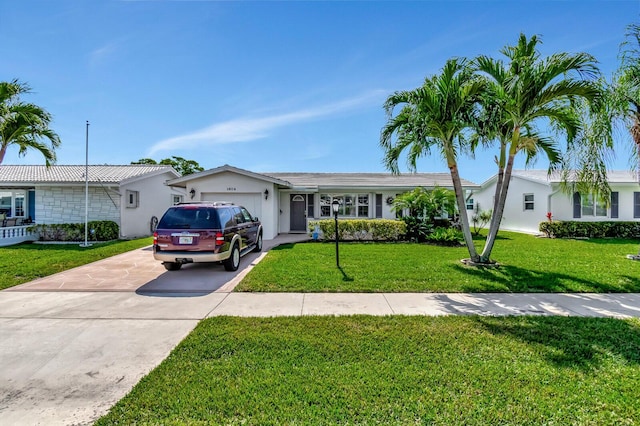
(185, 240)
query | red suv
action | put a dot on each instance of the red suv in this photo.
(206, 232)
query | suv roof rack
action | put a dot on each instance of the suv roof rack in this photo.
(214, 203)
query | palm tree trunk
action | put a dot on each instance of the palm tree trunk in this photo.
(499, 181)
(485, 256)
(464, 219)
(3, 151)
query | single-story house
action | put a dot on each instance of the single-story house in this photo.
(285, 202)
(130, 195)
(533, 193)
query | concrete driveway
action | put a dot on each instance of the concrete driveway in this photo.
(74, 343)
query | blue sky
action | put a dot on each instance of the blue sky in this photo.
(266, 86)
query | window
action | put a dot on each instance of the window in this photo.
(351, 205)
(470, 203)
(592, 206)
(132, 199)
(636, 204)
(378, 206)
(13, 203)
(529, 203)
(176, 199)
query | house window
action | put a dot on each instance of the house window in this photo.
(176, 199)
(133, 199)
(12, 203)
(591, 206)
(529, 203)
(469, 203)
(636, 205)
(351, 205)
(379, 205)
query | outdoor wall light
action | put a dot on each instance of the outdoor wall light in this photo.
(266, 194)
(192, 193)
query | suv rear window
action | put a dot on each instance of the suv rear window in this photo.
(190, 218)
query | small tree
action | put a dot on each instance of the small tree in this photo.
(480, 220)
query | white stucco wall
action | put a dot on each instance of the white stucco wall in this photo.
(154, 199)
(234, 183)
(66, 204)
(548, 198)
(515, 217)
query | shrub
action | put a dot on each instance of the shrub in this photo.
(574, 229)
(99, 230)
(360, 229)
(417, 229)
(446, 236)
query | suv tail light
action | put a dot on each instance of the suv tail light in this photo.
(155, 238)
(219, 239)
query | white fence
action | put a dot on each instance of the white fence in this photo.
(10, 235)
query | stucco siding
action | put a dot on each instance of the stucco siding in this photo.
(154, 198)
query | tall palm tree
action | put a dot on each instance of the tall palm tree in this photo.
(24, 124)
(526, 91)
(627, 86)
(435, 116)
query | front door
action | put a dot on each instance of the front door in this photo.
(298, 218)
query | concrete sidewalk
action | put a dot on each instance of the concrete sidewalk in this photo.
(75, 343)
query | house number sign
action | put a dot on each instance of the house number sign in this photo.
(231, 188)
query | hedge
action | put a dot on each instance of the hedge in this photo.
(99, 230)
(573, 229)
(359, 229)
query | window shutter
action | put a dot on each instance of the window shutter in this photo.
(614, 205)
(636, 204)
(310, 206)
(577, 208)
(378, 206)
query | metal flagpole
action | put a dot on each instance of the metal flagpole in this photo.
(86, 190)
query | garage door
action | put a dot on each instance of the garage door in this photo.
(253, 202)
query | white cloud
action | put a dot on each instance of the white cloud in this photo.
(253, 128)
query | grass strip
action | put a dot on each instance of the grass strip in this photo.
(528, 264)
(26, 262)
(394, 370)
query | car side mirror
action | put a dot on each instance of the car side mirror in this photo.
(255, 219)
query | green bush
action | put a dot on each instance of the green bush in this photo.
(99, 230)
(446, 236)
(574, 229)
(418, 229)
(359, 229)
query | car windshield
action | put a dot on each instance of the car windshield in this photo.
(190, 218)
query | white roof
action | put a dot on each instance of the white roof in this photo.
(369, 180)
(613, 176)
(10, 174)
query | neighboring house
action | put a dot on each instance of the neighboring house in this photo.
(285, 202)
(128, 195)
(532, 194)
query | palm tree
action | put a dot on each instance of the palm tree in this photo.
(526, 91)
(435, 116)
(24, 124)
(626, 91)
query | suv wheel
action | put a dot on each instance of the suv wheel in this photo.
(172, 266)
(258, 246)
(232, 263)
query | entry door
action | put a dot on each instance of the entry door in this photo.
(298, 208)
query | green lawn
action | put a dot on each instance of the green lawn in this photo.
(528, 264)
(25, 262)
(394, 370)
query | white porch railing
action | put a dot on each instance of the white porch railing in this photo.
(10, 235)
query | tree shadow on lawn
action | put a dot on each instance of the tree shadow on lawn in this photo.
(521, 280)
(572, 342)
